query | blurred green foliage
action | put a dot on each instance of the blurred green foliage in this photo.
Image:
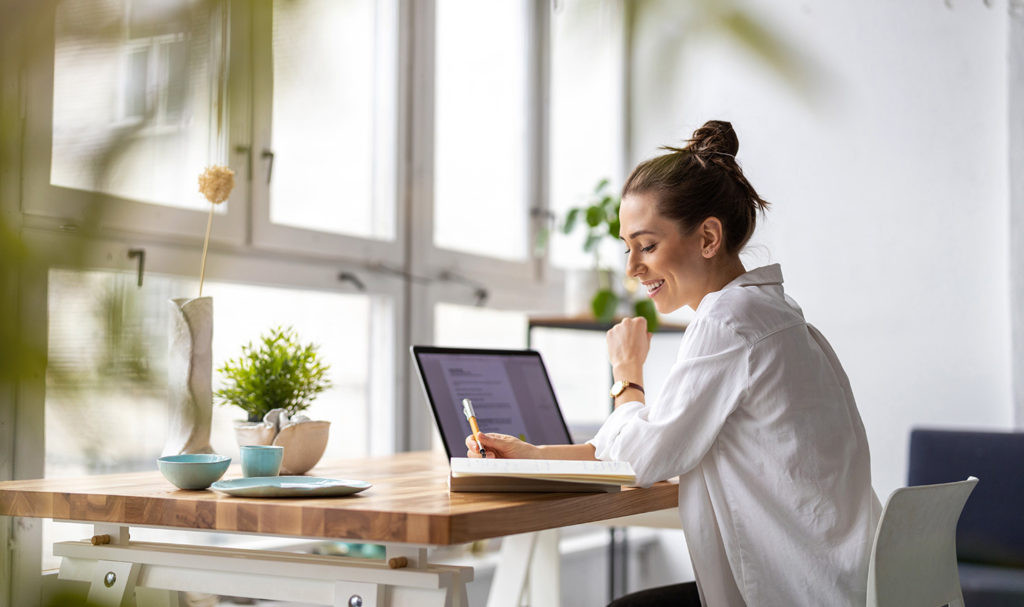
(599, 218)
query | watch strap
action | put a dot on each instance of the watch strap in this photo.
(622, 385)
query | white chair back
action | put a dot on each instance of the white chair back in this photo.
(913, 559)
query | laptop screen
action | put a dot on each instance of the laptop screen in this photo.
(510, 390)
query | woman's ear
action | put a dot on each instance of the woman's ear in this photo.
(712, 237)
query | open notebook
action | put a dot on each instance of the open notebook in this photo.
(479, 474)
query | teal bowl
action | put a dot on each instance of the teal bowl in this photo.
(193, 470)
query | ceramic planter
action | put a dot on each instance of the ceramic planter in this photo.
(304, 440)
(189, 373)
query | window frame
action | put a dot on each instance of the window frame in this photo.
(266, 234)
(72, 209)
(410, 272)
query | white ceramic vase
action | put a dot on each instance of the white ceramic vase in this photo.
(304, 440)
(189, 375)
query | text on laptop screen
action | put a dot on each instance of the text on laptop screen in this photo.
(511, 394)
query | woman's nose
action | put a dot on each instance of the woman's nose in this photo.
(633, 265)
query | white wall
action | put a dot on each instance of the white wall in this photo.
(889, 185)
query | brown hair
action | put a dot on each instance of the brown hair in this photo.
(702, 180)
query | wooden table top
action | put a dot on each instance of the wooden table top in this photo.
(408, 503)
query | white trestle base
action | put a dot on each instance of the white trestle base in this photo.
(161, 571)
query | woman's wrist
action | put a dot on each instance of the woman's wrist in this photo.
(585, 451)
(628, 372)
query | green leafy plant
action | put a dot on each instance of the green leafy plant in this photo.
(599, 218)
(279, 372)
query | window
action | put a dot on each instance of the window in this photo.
(587, 108)
(392, 167)
(137, 99)
(333, 117)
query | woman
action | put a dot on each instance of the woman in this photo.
(756, 417)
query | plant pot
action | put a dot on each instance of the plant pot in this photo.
(189, 373)
(580, 287)
(304, 440)
(304, 444)
(255, 433)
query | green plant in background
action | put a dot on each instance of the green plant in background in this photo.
(279, 372)
(600, 219)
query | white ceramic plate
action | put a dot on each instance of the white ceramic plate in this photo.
(289, 486)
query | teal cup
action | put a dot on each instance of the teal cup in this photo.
(261, 460)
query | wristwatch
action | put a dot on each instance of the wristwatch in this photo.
(620, 386)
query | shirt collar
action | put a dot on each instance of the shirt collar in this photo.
(767, 275)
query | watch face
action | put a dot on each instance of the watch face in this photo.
(618, 388)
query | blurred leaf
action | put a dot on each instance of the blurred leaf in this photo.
(601, 185)
(613, 228)
(595, 215)
(591, 242)
(604, 304)
(646, 309)
(570, 220)
(768, 47)
(540, 244)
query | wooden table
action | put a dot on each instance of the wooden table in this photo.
(408, 509)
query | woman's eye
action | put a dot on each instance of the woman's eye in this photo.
(646, 249)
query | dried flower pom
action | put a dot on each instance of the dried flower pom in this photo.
(216, 183)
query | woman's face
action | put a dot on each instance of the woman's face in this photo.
(668, 263)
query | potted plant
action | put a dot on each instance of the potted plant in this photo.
(273, 381)
(599, 218)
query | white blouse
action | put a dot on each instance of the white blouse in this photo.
(758, 421)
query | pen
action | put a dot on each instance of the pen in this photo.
(467, 408)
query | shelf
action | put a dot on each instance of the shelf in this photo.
(586, 323)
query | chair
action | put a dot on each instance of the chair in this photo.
(913, 559)
(990, 534)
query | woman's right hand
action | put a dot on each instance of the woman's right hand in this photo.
(501, 446)
(628, 344)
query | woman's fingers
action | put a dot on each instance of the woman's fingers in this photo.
(498, 445)
(629, 342)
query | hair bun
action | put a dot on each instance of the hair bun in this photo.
(715, 137)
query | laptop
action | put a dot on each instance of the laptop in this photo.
(510, 390)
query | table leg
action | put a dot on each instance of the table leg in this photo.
(546, 570)
(112, 584)
(529, 560)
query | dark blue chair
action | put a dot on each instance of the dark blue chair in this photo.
(990, 534)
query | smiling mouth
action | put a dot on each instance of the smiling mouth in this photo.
(653, 287)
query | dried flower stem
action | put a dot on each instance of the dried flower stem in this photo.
(215, 183)
(206, 243)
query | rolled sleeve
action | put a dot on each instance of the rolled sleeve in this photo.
(669, 437)
(609, 431)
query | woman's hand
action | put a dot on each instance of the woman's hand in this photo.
(628, 344)
(502, 446)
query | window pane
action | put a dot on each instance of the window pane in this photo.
(586, 113)
(333, 116)
(469, 327)
(106, 392)
(136, 98)
(480, 128)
